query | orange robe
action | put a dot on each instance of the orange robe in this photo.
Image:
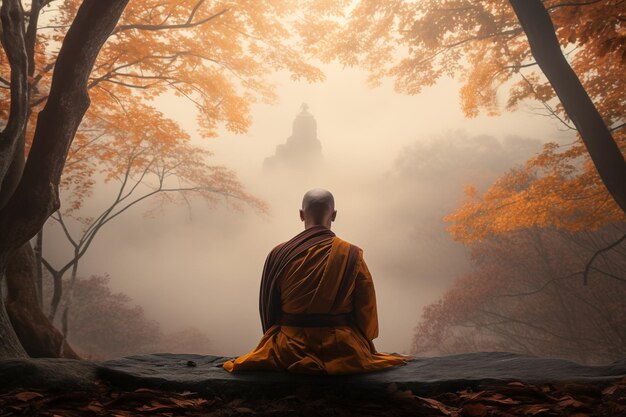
(308, 286)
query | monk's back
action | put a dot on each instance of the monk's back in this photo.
(324, 279)
(311, 281)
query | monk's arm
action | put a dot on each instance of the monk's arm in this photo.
(364, 301)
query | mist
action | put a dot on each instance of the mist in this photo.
(396, 165)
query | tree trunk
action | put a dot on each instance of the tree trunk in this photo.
(12, 146)
(37, 194)
(10, 346)
(70, 296)
(39, 267)
(57, 278)
(544, 45)
(38, 336)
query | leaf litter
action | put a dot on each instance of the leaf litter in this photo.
(513, 399)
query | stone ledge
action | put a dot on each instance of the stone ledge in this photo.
(421, 375)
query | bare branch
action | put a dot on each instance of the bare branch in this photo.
(543, 287)
(59, 219)
(188, 24)
(608, 274)
(49, 267)
(595, 255)
(556, 6)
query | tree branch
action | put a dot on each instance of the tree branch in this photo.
(188, 24)
(59, 219)
(14, 44)
(31, 34)
(595, 255)
(556, 6)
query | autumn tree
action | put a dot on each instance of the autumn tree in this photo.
(216, 54)
(30, 190)
(104, 323)
(486, 46)
(146, 163)
(523, 51)
(107, 324)
(557, 188)
(526, 294)
(547, 245)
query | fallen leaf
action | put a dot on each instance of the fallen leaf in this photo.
(535, 409)
(499, 399)
(568, 401)
(474, 410)
(94, 406)
(27, 395)
(610, 390)
(184, 402)
(154, 406)
(153, 391)
(470, 395)
(404, 395)
(245, 410)
(447, 410)
(236, 402)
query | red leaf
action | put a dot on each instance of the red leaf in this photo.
(448, 411)
(475, 410)
(27, 395)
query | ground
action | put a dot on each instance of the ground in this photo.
(479, 384)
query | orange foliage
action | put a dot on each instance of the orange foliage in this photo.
(558, 188)
(482, 44)
(218, 54)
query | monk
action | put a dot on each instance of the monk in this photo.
(317, 303)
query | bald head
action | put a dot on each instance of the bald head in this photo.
(318, 208)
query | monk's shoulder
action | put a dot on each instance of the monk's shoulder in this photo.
(276, 249)
(346, 245)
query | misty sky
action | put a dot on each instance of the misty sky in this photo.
(201, 267)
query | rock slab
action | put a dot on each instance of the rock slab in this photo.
(198, 373)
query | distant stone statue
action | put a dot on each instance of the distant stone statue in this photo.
(302, 151)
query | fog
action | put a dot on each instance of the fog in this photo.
(396, 164)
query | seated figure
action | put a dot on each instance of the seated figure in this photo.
(317, 303)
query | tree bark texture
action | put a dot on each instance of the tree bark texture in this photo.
(14, 44)
(544, 45)
(37, 335)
